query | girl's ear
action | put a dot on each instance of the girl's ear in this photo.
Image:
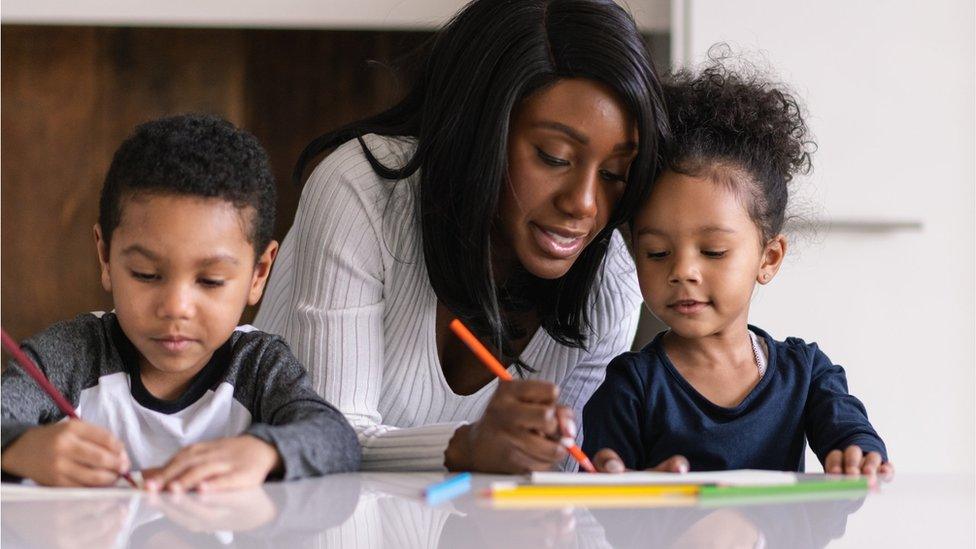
(103, 254)
(772, 259)
(261, 272)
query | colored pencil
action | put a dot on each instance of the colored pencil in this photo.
(448, 488)
(35, 373)
(489, 360)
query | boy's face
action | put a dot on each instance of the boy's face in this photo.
(699, 255)
(181, 270)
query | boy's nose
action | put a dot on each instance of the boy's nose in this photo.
(176, 302)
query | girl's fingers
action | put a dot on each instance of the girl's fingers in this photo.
(674, 464)
(852, 460)
(832, 464)
(871, 463)
(887, 471)
(607, 461)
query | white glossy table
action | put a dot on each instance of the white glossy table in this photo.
(387, 510)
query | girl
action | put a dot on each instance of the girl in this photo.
(490, 193)
(712, 388)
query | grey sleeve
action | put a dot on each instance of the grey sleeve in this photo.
(24, 403)
(312, 437)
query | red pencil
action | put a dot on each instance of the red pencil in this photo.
(35, 373)
(496, 368)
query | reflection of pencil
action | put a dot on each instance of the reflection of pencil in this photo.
(35, 373)
(542, 491)
(489, 360)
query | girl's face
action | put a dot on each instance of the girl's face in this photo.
(699, 255)
(569, 149)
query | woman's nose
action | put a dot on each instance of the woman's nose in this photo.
(580, 197)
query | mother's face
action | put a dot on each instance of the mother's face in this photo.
(569, 149)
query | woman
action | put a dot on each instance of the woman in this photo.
(491, 193)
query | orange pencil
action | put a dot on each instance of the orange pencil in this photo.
(489, 360)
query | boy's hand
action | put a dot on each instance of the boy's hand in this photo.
(852, 461)
(68, 453)
(607, 461)
(222, 464)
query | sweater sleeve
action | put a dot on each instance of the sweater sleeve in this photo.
(25, 404)
(326, 299)
(615, 416)
(312, 437)
(835, 419)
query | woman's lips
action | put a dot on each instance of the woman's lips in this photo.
(688, 306)
(557, 243)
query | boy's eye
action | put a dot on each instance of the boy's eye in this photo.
(211, 282)
(713, 253)
(657, 255)
(144, 277)
(550, 159)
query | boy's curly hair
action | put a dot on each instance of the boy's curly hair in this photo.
(193, 155)
(738, 127)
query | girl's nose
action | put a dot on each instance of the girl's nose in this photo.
(684, 270)
(580, 198)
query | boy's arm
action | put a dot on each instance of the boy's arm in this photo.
(312, 437)
(24, 403)
(615, 414)
(835, 419)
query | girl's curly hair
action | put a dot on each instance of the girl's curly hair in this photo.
(736, 126)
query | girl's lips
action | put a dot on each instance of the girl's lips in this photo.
(688, 307)
(558, 244)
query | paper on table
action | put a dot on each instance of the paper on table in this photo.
(11, 491)
(740, 477)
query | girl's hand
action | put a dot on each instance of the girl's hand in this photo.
(607, 461)
(222, 464)
(852, 461)
(518, 432)
(67, 453)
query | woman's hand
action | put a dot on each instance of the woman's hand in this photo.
(607, 461)
(518, 433)
(222, 464)
(853, 461)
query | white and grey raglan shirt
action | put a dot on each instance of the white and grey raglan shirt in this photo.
(252, 385)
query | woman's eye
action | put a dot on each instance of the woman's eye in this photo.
(610, 176)
(144, 277)
(713, 253)
(550, 159)
(657, 255)
(211, 282)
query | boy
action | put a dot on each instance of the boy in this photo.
(167, 384)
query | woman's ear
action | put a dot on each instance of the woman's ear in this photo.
(261, 271)
(772, 258)
(102, 249)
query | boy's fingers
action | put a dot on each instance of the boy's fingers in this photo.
(832, 464)
(98, 457)
(176, 466)
(674, 464)
(852, 460)
(97, 435)
(82, 475)
(200, 472)
(607, 461)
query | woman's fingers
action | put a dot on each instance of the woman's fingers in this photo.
(540, 418)
(607, 461)
(532, 390)
(852, 460)
(566, 417)
(674, 464)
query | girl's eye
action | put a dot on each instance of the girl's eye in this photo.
(211, 282)
(551, 160)
(657, 255)
(610, 176)
(713, 253)
(144, 277)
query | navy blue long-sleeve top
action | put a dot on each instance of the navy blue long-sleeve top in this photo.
(647, 412)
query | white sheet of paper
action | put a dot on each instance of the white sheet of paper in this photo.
(740, 477)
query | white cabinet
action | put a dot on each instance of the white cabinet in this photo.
(888, 292)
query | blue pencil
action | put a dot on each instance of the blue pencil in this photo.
(448, 488)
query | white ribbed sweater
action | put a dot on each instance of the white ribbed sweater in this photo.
(350, 294)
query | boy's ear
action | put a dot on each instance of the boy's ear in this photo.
(773, 254)
(261, 272)
(103, 253)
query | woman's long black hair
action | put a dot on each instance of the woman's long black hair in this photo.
(488, 58)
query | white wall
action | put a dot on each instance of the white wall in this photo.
(890, 89)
